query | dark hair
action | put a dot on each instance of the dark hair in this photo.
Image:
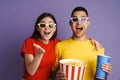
(36, 33)
(79, 8)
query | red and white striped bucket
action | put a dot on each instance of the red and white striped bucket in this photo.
(73, 72)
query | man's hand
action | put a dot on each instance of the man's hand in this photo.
(60, 76)
(107, 67)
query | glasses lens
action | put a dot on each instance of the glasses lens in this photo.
(42, 25)
(74, 19)
(83, 19)
(51, 25)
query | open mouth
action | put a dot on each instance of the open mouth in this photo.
(46, 33)
(79, 29)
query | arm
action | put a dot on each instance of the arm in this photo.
(32, 63)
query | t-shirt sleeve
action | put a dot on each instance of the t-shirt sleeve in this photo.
(27, 47)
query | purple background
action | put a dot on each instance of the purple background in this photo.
(17, 20)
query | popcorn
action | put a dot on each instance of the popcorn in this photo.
(73, 63)
(73, 68)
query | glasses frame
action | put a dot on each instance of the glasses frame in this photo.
(80, 19)
(51, 25)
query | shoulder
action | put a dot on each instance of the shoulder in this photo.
(30, 40)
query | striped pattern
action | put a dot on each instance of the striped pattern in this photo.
(73, 72)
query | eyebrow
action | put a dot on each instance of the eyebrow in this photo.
(81, 16)
(45, 22)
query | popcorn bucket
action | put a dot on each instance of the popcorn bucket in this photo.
(74, 69)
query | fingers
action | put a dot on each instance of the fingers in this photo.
(107, 67)
(39, 48)
(61, 76)
(96, 44)
(36, 46)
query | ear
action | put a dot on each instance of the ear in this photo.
(88, 22)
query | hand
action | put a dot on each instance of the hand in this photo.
(39, 49)
(96, 44)
(60, 76)
(107, 67)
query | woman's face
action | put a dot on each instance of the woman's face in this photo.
(46, 27)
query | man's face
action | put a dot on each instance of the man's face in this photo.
(79, 23)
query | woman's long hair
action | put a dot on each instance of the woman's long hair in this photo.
(36, 33)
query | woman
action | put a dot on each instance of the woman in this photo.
(38, 50)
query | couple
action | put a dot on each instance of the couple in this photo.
(42, 51)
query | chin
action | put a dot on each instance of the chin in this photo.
(47, 39)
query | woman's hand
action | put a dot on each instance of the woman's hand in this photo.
(39, 49)
(96, 44)
(32, 63)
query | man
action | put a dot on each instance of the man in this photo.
(79, 46)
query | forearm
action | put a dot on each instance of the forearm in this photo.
(34, 64)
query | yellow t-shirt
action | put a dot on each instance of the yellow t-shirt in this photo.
(78, 50)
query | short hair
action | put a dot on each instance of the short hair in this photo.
(79, 8)
(36, 33)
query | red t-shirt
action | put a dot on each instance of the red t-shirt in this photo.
(48, 59)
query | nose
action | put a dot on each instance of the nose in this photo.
(79, 22)
(47, 26)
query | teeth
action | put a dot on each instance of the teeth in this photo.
(80, 28)
(47, 32)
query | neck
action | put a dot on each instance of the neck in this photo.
(44, 41)
(80, 39)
